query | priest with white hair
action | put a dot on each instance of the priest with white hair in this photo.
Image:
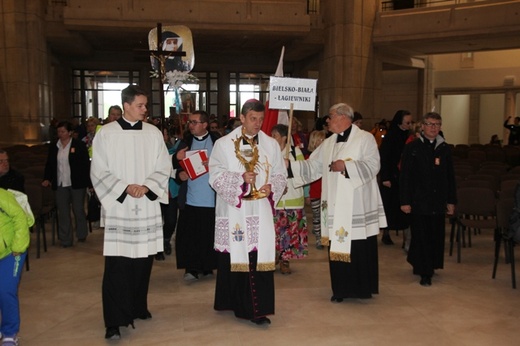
(352, 210)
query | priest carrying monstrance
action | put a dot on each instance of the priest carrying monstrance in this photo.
(240, 162)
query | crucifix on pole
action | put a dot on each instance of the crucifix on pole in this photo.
(161, 56)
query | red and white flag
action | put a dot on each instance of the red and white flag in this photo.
(275, 116)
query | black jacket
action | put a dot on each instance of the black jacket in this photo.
(13, 180)
(79, 162)
(390, 152)
(427, 180)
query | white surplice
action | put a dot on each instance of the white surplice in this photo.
(243, 226)
(122, 157)
(351, 208)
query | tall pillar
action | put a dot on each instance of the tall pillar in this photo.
(510, 104)
(22, 71)
(349, 71)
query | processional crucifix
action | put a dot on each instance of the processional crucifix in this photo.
(161, 56)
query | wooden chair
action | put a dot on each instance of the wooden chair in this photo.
(475, 183)
(475, 209)
(35, 196)
(510, 176)
(499, 167)
(492, 179)
(33, 171)
(494, 153)
(512, 156)
(463, 171)
(477, 154)
(515, 170)
(504, 210)
(507, 188)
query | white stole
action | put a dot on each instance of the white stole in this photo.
(336, 220)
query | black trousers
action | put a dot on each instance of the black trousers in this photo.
(125, 289)
(169, 214)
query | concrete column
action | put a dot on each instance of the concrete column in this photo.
(510, 104)
(353, 73)
(24, 94)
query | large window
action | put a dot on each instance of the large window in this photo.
(245, 86)
(192, 96)
(95, 91)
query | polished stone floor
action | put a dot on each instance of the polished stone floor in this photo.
(61, 304)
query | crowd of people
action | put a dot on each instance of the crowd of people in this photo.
(230, 198)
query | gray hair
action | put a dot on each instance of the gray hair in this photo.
(343, 109)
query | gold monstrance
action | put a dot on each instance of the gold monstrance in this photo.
(250, 164)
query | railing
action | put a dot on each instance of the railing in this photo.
(406, 4)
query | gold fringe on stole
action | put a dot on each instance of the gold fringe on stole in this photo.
(325, 241)
(265, 267)
(239, 267)
(261, 267)
(340, 257)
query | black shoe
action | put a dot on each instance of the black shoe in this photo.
(261, 320)
(82, 240)
(191, 275)
(146, 316)
(336, 299)
(207, 273)
(386, 239)
(167, 248)
(113, 333)
(160, 256)
(426, 281)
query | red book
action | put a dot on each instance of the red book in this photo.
(193, 163)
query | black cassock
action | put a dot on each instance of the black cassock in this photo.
(360, 277)
(249, 295)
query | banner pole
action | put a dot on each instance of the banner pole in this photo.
(289, 134)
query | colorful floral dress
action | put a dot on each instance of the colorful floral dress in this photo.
(290, 220)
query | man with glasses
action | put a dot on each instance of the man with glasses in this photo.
(427, 193)
(195, 231)
(390, 151)
(352, 210)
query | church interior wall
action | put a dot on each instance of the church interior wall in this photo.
(486, 75)
(455, 112)
(494, 70)
(399, 91)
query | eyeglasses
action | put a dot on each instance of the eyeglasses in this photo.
(4, 161)
(432, 124)
(194, 122)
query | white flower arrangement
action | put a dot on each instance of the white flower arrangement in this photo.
(176, 78)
